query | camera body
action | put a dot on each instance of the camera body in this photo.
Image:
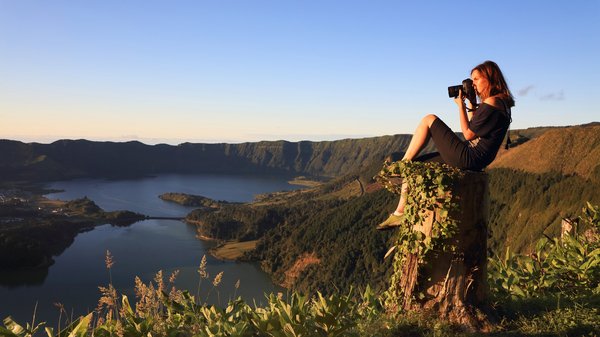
(467, 89)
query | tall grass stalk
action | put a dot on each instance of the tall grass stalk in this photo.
(109, 262)
(34, 313)
(61, 309)
(109, 295)
(237, 286)
(216, 282)
(203, 275)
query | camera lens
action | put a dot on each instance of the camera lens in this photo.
(453, 90)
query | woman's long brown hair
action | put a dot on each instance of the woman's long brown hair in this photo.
(498, 85)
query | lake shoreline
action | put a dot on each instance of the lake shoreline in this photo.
(49, 227)
(161, 240)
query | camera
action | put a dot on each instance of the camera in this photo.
(467, 89)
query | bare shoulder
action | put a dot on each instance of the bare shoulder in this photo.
(494, 101)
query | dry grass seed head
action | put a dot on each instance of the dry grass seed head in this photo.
(173, 276)
(158, 278)
(175, 295)
(108, 299)
(119, 329)
(147, 300)
(202, 268)
(59, 306)
(108, 260)
(217, 279)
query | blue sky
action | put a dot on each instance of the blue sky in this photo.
(235, 71)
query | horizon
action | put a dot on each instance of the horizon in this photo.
(215, 73)
(152, 142)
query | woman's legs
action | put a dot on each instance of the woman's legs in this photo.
(420, 137)
(403, 191)
(452, 151)
(417, 142)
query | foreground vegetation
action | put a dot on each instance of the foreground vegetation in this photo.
(553, 292)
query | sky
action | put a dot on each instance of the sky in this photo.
(250, 70)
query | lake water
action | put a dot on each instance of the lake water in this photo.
(141, 249)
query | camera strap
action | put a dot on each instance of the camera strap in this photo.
(509, 115)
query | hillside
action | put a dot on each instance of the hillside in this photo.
(67, 159)
(572, 150)
(334, 223)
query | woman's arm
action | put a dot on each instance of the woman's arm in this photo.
(470, 109)
(464, 118)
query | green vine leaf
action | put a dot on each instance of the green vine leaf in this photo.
(429, 189)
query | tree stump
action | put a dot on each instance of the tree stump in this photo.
(454, 284)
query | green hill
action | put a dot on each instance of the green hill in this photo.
(570, 150)
(67, 159)
(324, 238)
(81, 158)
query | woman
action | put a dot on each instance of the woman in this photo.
(483, 130)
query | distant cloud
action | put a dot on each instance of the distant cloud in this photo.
(554, 96)
(525, 91)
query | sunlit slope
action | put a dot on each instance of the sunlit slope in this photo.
(570, 150)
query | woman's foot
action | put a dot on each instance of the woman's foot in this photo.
(394, 220)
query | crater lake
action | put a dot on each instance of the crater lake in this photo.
(140, 249)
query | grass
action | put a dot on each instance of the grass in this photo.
(162, 310)
(304, 181)
(233, 250)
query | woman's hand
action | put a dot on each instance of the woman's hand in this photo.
(460, 99)
(464, 116)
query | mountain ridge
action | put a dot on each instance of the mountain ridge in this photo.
(68, 159)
